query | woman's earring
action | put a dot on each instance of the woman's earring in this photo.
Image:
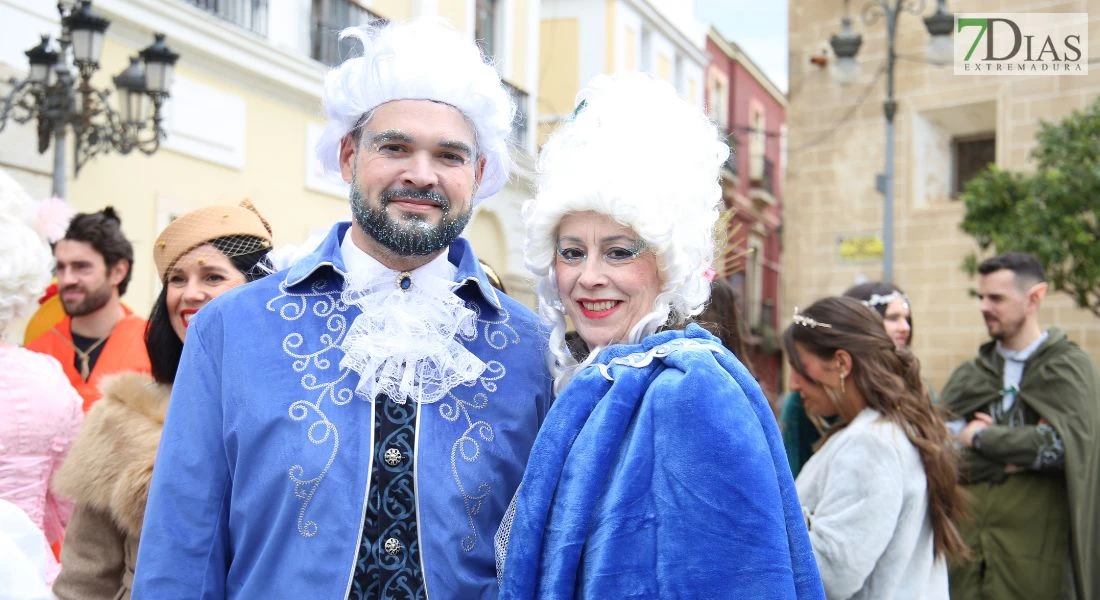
(842, 384)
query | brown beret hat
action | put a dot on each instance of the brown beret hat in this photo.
(205, 224)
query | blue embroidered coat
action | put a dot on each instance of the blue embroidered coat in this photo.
(660, 473)
(264, 463)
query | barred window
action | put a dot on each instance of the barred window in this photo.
(970, 156)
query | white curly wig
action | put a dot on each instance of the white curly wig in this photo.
(638, 153)
(421, 60)
(25, 268)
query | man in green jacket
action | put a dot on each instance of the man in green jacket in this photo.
(1027, 412)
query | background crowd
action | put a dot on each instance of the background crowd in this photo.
(869, 484)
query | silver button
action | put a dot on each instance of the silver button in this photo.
(393, 457)
(392, 546)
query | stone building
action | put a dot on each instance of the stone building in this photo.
(751, 110)
(947, 127)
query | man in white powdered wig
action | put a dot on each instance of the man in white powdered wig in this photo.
(355, 426)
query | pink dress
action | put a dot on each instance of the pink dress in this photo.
(40, 414)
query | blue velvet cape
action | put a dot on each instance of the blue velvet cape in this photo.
(660, 473)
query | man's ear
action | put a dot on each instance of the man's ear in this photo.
(348, 147)
(118, 272)
(1036, 294)
(479, 171)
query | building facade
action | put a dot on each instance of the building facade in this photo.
(752, 111)
(580, 39)
(947, 128)
(245, 114)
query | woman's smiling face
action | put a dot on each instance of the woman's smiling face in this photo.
(607, 279)
(196, 278)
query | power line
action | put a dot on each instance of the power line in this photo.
(742, 129)
(847, 116)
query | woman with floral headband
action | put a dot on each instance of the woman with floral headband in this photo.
(880, 496)
(800, 432)
(199, 256)
(659, 470)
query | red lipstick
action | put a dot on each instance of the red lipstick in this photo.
(598, 314)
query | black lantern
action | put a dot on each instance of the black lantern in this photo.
(42, 58)
(86, 29)
(845, 46)
(66, 105)
(160, 64)
(131, 93)
(940, 26)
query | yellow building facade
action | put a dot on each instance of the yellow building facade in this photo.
(836, 147)
(245, 115)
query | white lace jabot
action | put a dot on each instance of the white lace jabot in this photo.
(403, 344)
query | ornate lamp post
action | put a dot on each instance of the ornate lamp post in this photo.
(846, 45)
(57, 97)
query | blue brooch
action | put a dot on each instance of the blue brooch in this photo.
(404, 281)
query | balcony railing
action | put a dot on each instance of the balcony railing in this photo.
(329, 17)
(764, 178)
(519, 124)
(764, 329)
(249, 14)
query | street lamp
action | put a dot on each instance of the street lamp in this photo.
(846, 45)
(54, 96)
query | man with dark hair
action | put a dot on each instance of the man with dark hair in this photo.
(356, 425)
(1028, 423)
(99, 336)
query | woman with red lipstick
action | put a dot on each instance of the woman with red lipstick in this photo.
(199, 256)
(659, 470)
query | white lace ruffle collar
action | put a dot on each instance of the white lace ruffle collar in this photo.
(404, 343)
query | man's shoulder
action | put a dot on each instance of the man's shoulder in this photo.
(968, 367)
(1066, 349)
(251, 297)
(42, 343)
(518, 311)
(131, 324)
(242, 309)
(1061, 355)
(50, 339)
(970, 382)
(513, 334)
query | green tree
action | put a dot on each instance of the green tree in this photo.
(1053, 213)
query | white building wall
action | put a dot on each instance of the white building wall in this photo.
(688, 46)
(284, 26)
(21, 24)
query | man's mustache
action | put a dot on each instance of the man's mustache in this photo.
(414, 194)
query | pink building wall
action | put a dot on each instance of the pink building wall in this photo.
(759, 201)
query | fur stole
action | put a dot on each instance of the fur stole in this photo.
(110, 464)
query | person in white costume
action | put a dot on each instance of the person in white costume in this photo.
(880, 495)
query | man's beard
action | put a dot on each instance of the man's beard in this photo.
(415, 237)
(93, 301)
(1003, 329)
